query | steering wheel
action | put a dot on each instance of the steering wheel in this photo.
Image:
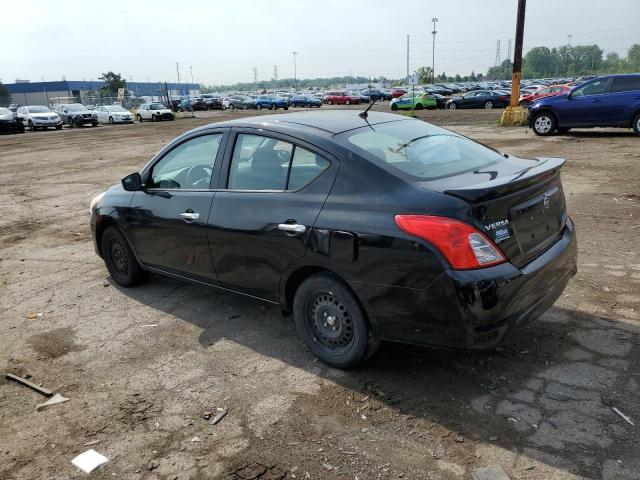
(199, 176)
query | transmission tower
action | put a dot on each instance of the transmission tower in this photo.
(255, 74)
(509, 50)
(498, 53)
(275, 72)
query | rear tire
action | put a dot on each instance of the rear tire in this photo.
(488, 105)
(544, 124)
(419, 106)
(332, 323)
(636, 125)
(347, 102)
(452, 106)
(119, 259)
(259, 106)
(394, 107)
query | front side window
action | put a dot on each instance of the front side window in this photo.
(593, 88)
(157, 106)
(187, 166)
(423, 151)
(624, 84)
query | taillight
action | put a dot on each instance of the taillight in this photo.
(463, 245)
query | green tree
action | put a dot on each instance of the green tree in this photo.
(5, 96)
(537, 62)
(633, 58)
(424, 74)
(112, 82)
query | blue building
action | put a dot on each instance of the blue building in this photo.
(66, 91)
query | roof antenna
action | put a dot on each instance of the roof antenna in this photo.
(366, 112)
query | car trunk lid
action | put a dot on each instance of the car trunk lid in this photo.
(521, 205)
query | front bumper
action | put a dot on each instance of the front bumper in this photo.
(46, 123)
(473, 308)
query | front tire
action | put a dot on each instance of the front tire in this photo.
(332, 323)
(347, 102)
(544, 124)
(488, 105)
(139, 118)
(419, 106)
(111, 120)
(394, 107)
(119, 259)
(452, 106)
(259, 106)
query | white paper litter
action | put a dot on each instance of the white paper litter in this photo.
(57, 398)
(89, 461)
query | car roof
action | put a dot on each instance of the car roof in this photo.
(329, 121)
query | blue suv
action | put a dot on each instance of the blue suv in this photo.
(272, 102)
(611, 101)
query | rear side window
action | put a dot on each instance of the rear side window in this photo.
(263, 163)
(624, 84)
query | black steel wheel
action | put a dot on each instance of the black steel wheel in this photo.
(119, 259)
(332, 323)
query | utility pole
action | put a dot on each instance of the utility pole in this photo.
(255, 75)
(407, 58)
(178, 70)
(509, 50)
(497, 54)
(566, 57)
(191, 69)
(295, 72)
(275, 72)
(434, 20)
(515, 114)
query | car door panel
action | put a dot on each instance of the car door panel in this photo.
(252, 232)
(168, 226)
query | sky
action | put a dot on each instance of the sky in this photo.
(220, 42)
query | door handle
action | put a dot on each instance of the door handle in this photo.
(595, 100)
(294, 228)
(190, 215)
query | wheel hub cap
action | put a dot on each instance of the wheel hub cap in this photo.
(331, 321)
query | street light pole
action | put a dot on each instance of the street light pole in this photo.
(295, 72)
(434, 20)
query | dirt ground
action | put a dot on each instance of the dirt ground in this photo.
(143, 367)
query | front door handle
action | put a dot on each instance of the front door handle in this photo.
(294, 228)
(190, 215)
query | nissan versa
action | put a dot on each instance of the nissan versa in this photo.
(366, 228)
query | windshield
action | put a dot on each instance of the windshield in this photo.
(5, 111)
(419, 149)
(117, 109)
(157, 106)
(76, 108)
(38, 110)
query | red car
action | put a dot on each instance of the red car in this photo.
(340, 98)
(549, 91)
(398, 92)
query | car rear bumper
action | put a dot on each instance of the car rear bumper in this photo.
(473, 308)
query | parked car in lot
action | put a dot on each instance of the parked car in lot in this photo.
(376, 95)
(76, 115)
(611, 101)
(271, 101)
(39, 116)
(398, 92)
(479, 99)
(362, 96)
(365, 229)
(304, 101)
(441, 100)
(113, 114)
(198, 103)
(153, 112)
(417, 101)
(9, 122)
(341, 98)
(235, 102)
(549, 91)
(213, 102)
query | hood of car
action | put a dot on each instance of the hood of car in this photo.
(551, 99)
(7, 116)
(43, 115)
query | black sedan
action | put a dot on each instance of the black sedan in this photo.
(366, 229)
(480, 99)
(9, 122)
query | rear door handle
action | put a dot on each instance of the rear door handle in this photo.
(294, 228)
(190, 215)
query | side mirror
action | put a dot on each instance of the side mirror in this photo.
(132, 183)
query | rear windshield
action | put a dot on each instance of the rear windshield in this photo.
(421, 150)
(157, 106)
